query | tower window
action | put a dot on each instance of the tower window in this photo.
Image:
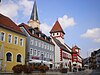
(53, 34)
(57, 33)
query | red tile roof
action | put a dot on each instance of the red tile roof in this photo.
(34, 35)
(56, 28)
(76, 47)
(9, 24)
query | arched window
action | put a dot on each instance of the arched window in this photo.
(19, 58)
(9, 56)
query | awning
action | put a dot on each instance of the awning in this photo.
(39, 61)
(47, 62)
(34, 61)
(74, 63)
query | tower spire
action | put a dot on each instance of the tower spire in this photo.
(34, 21)
(34, 14)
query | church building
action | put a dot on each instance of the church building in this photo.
(40, 48)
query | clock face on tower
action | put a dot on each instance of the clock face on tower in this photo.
(76, 50)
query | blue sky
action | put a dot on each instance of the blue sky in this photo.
(80, 19)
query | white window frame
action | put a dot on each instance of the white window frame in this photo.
(35, 41)
(21, 58)
(31, 51)
(47, 55)
(35, 53)
(42, 44)
(17, 40)
(31, 41)
(38, 53)
(3, 36)
(6, 57)
(50, 56)
(21, 42)
(39, 43)
(11, 38)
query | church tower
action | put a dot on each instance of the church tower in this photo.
(57, 32)
(34, 21)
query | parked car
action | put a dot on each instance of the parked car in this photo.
(74, 69)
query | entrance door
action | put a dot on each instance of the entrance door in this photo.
(70, 68)
(0, 65)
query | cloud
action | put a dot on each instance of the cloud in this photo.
(65, 21)
(45, 28)
(26, 6)
(9, 8)
(93, 34)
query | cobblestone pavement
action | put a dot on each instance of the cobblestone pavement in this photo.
(95, 72)
(86, 72)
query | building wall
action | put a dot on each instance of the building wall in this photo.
(34, 24)
(12, 48)
(59, 36)
(43, 47)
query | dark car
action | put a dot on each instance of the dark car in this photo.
(74, 69)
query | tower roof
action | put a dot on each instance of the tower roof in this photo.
(76, 47)
(34, 14)
(56, 28)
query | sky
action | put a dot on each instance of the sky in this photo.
(80, 19)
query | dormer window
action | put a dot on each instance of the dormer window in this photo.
(32, 31)
(45, 37)
(50, 40)
(39, 35)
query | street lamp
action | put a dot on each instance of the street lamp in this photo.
(42, 59)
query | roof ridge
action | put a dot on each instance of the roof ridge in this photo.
(57, 28)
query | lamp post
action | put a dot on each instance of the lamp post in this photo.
(42, 59)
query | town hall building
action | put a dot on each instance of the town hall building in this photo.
(63, 57)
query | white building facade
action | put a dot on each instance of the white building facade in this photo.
(62, 51)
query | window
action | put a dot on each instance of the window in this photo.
(9, 56)
(42, 44)
(15, 40)
(31, 41)
(2, 36)
(39, 35)
(35, 52)
(57, 33)
(45, 46)
(35, 42)
(47, 55)
(50, 47)
(18, 58)
(21, 42)
(50, 56)
(31, 51)
(9, 38)
(32, 31)
(39, 43)
(75, 57)
(53, 34)
(38, 53)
